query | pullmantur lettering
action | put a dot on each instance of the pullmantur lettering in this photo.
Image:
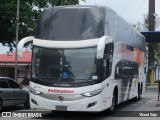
(60, 91)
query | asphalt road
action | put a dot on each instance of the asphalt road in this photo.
(148, 106)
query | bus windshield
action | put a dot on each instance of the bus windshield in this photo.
(64, 65)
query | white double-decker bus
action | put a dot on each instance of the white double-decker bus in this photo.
(85, 58)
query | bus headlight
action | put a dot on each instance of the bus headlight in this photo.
(92, 93)
(36, 92)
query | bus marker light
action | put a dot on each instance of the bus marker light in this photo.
(91, 104)
(34, 102)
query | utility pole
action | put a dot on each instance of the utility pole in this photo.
(151, 52)
(17, 31)
(151, 15)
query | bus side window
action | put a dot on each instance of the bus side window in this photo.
(107, 60)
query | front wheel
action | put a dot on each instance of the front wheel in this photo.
(114, 104)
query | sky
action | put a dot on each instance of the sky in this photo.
(3, 49)
(130, 10)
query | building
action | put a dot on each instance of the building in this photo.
(7, 65)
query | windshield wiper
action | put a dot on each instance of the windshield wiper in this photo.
(85, 80)
(48, 78)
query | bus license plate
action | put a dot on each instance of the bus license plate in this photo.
(61, 108)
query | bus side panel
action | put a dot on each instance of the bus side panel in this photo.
(128, 80)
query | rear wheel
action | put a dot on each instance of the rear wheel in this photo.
(138, 97)
(139, 92)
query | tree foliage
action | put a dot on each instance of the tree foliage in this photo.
(146, 21)
(29, 12)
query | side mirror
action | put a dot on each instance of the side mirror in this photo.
(101, 45)
(21, 45)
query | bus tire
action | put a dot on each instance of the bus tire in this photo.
(141, 88)
(139, 92)
(114, 102)
(138, 97)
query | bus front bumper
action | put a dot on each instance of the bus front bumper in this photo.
(86, 104)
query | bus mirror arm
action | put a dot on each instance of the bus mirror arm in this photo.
(101, 45)
(21, 45)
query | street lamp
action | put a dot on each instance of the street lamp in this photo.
(17, 30)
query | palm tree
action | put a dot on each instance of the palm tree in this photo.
(145, 24)
(154, 48)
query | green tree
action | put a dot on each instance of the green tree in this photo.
(156, 46)
(153, 48)
(145, 24)
(28, 15)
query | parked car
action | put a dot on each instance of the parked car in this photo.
(11, 93)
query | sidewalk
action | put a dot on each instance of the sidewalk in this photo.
(151, 94)
(152, 86)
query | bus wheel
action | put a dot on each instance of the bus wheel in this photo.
(138, 97)
(139, 92)
(114, 104)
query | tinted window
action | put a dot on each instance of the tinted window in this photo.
(60, 23)
(13, 84)
(65, 64)
(3, 83)
(107, 61)
(58, 67)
